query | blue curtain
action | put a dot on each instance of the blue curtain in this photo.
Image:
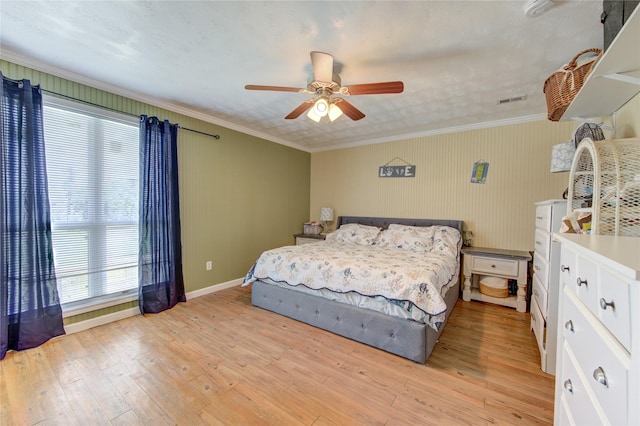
(161, 285)
(30, 311)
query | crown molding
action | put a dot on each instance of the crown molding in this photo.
(28, 62)
(436, 132)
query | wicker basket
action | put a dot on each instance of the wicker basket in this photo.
(563, 85)
(494, 286)
(311, 229)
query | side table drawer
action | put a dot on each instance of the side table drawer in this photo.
(308, 238)
(495, 266)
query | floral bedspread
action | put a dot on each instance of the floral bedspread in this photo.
(398, 275)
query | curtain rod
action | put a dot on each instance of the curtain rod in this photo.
(120, 112)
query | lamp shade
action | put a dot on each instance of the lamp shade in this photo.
(562, 157)
(321, 107)
(312, 115)
(326, 214)
(334, 112)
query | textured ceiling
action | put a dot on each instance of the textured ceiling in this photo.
(456, 58)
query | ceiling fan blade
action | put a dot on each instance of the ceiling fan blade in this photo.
(299, 110)
(373, 88)
(348, 109)
(322, 66)
(274, 88)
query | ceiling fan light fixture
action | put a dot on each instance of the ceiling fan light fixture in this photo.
(312, 115)
(334, 112)
(321, 107)
(324, 83)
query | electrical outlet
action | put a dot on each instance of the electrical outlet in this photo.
(209, 265)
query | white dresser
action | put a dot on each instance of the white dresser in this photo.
(544, 292)
(598, 364)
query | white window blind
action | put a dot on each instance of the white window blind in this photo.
(92, 168)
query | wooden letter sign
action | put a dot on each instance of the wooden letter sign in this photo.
(397, 171)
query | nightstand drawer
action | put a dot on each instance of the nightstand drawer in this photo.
(303, 240)
(308, 238)
(495, 266)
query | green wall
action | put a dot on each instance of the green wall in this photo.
(239, 195)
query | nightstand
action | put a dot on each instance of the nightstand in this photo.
(510, 264)
(308, 238)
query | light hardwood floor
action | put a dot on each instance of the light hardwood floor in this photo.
(218, 360)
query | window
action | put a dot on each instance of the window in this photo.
(92, 167)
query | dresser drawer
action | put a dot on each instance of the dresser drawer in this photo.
(584, 281)
(563, 416)
(543, 217)
(542, 243)
(603, 363)
(541, 270)
(540, 295)
(567, 268)
(537, 325)
(613, 306)
(575, 393)
(495, 266)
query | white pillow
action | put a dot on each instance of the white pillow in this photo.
(354, 233)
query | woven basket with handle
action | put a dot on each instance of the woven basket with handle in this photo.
(563, 85)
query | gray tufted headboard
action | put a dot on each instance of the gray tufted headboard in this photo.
(384, 222)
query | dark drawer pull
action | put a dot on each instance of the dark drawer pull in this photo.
(604, 304)
(569, 326)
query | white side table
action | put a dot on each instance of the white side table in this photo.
(308, 238)
(510, 264)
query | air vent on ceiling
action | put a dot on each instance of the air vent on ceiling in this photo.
(514, 99)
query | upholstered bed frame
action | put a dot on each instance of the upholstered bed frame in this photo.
(407, 338)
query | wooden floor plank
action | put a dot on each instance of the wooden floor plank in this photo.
(217, 360)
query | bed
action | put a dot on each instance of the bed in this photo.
(405, 320)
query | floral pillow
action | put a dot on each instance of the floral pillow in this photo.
(354, 233)
(414, 238)
(447, 240)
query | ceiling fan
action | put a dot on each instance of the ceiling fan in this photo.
(324, 84)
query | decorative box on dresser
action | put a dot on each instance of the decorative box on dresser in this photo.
(598, 358)
(544, 293)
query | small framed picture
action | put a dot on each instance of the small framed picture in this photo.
(479, 173)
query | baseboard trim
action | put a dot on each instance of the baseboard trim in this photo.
(214, 288)
(126, 313)
(101, 320)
